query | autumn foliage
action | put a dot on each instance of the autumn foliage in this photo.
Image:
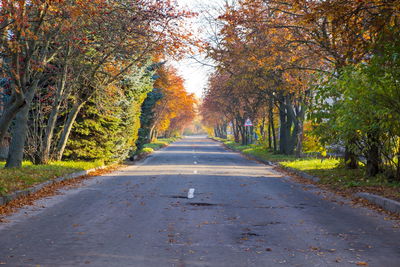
(175, 109)
(279, 61)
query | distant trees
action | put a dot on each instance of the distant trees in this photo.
(168, 109)
(279, 59)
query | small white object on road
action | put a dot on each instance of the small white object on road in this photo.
(191, 193)
(195, 162)
(194, 171)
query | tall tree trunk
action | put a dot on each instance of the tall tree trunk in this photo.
(291, 135)
(350, 159)
(300, 136)
(397, 178)
(51, 122)
(235, 130)
(283, 138)
(273, 132)
(262, 128)
(242, 132)
(269, 135)
(19, 133)
(17, 102)
(300, 129)
(292, 126)
(223, 131)
(67, 128)
(373, 154)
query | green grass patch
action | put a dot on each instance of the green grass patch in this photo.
(155, 145)
(28, 175)
(160, 143)
(147, 150)
(256, 150)
(332, 172)
(308, 164)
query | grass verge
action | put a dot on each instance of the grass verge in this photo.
(157, 144)
(28, 175)
(330, 171)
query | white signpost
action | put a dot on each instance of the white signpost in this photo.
(248, 122)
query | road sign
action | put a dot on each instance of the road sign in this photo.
(248, 122)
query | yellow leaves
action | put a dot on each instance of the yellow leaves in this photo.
(111, 68)
(176, 108)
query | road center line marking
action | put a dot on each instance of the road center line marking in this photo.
(191, 193)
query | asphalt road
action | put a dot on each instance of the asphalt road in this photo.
(242, 214)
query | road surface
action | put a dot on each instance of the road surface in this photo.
(242, 214)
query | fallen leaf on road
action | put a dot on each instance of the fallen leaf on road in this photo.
(362, 263)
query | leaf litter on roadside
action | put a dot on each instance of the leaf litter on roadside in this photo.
(50, 190)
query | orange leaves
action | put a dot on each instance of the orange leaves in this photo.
(176, 109)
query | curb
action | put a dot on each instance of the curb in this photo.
(7, 198)
(267, 162)
(385, 203)
(301, 174)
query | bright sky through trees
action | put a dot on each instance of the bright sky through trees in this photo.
(194, 73)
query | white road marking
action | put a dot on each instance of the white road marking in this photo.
(191, 193)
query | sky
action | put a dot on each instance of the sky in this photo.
(194, 73)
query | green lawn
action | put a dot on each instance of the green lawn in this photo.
(157, 144)
(21, 178)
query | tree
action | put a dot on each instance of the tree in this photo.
(175, 109)
(95, 42)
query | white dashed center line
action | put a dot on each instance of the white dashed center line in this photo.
(191, 193)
